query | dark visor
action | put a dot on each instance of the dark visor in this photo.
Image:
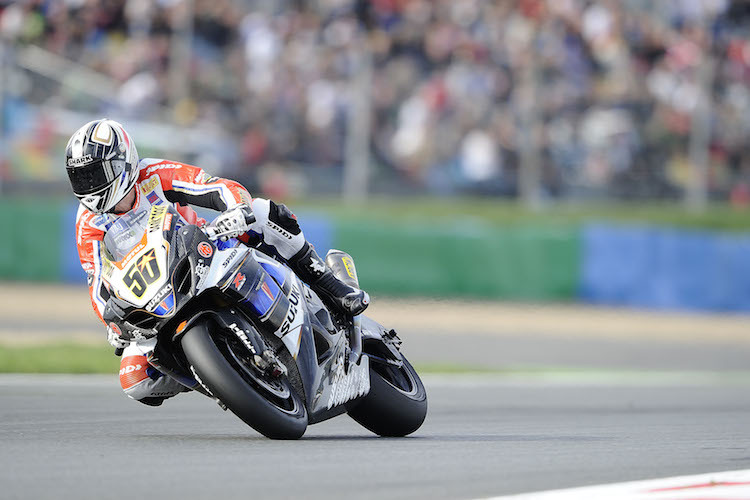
(92, 177)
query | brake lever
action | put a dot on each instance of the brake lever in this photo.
(211, 232)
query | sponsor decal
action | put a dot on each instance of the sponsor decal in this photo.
(318, 266)
(239, 280)
(347, 387)
(350, 269)
(153, 198)
(229, 259)
(150, 184)
(201, 270)
(243, 336)
(161, 166)
(205, 250)
(294, 297)
(132, 254)
(167, 222)
(154, 219)
(196, 377)
(72, 162)
(160, 295)
(130, 369)
(107, 269)
(279, 230)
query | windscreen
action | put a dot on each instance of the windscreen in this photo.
(125, 233)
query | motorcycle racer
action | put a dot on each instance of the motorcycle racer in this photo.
(110, 180)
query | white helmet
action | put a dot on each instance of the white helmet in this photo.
(102, 164)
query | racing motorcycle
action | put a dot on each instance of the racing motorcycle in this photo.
(238, 326)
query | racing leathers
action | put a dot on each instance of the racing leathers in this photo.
(163, 181)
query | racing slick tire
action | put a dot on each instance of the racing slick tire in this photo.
(269, 405)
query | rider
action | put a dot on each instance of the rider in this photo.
(109, 180)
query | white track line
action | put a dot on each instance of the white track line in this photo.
(728, 485)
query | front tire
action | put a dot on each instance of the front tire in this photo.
(396, 404)
(280, 414)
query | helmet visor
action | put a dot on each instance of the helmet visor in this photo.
(95, 176)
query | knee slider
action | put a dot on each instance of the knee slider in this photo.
(281, 215)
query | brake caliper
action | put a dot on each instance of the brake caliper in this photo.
(269, 363)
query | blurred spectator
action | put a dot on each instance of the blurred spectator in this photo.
(617, 83)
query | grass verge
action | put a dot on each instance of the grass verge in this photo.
(77, 358)
(64, 357)
(72, 357)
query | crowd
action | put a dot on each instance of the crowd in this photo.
(602, 95)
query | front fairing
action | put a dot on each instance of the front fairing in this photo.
(174, 274)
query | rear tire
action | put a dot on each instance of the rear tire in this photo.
(280, 414)
(396, 404)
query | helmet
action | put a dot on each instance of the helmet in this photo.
(102, 164)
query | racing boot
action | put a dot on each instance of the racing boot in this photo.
(310, 267)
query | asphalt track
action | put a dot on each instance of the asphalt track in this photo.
(580, 396)
(81, 438)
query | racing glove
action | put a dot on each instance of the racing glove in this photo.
(233, 223)
(115, 340)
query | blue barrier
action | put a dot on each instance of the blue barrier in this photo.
(664, 268)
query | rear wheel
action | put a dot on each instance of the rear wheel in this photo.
(267, 404)
(396, 404)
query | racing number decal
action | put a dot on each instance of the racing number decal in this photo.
(141, 274)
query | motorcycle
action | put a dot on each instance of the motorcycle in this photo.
(238, 326)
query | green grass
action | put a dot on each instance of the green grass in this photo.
(58, 358)
(501, 212)
(70, 357)
(74, 358)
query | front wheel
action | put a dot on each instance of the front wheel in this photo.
(396, 404)
(269, 405)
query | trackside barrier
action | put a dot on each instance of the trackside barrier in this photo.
(640, 266)
(663, 268)
(31, 232)
(463, 259)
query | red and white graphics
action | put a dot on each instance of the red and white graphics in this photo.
(159, 182)
(133, 371)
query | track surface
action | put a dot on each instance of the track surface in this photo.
(79, 437)
(681, 408)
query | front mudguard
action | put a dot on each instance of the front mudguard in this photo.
(228, 320)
